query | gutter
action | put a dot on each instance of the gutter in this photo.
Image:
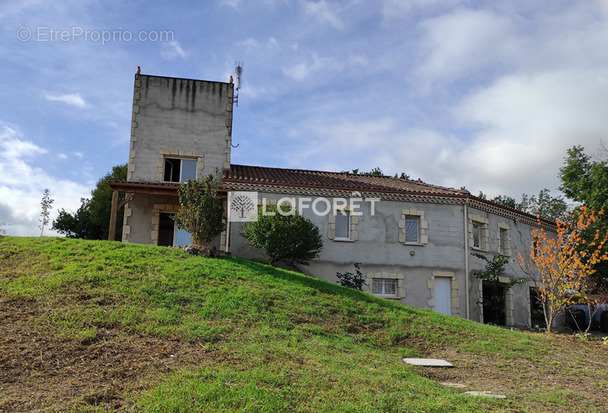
(466, 254)
(227, 247)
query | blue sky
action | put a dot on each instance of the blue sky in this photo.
(487, 95)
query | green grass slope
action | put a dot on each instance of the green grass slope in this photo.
(258, 338)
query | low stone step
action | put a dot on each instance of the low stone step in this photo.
(428, 362)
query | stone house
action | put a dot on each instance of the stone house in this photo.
(414, 241)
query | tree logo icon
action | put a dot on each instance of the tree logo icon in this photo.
(243, 206)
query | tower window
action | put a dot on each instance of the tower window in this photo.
(179, 170)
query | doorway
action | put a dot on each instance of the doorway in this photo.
(168, 233)
(443, 295)
(493, 301)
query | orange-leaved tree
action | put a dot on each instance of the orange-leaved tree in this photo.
(560, 266)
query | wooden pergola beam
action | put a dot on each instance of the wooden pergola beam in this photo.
(132, 188)
(114, 211)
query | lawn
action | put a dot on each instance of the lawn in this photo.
(106, 326)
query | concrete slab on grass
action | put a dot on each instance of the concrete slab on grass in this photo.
(428, 362)
(485, 394)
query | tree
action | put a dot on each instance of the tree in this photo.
(284, 236)
(201, 213)
(493, 299)
(79, 224)
(546, 206)
(561, 267)
(543, 205)
(92, 220)
(584, 180)
(46, 206)
(506, 201)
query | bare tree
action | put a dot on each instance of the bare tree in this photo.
(46, 205)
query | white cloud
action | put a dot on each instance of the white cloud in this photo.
(14, 148)
(523, 125)
(398, 9)
(464, 43)
(23, 184)
(72, 99)
(359, 60)
(249, 43)
(302, 71)
(322, 12)
(171, 50)
(231, 3)
(361, 144)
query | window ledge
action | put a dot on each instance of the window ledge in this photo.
(343, 240)
(479, 249)
(415, 244)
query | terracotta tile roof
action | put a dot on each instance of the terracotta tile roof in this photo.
(331, 180)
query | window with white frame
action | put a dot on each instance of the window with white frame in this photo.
(385, 287)
(413, 227)
(179, 170)
(342, 222)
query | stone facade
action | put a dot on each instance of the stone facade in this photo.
(414, 243)
(182, 120)
(443, 251)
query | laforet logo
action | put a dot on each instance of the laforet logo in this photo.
(243, 206)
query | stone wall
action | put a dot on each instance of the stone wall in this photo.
(174, 118)
(377, 242)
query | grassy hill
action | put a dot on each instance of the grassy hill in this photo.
(97, 326)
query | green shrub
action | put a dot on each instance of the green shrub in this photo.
(350, 280)
(201, 212)
(284, 236)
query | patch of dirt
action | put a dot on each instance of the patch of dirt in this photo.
(570, 367)
(39, 372)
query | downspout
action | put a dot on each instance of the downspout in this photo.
(466, 254)
(227, 248)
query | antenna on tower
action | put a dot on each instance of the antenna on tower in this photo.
(238, 69)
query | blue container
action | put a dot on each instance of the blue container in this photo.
(585, 309)
(598, 314)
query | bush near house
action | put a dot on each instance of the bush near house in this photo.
(350, 280)
(286, 236)
(201, 213)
